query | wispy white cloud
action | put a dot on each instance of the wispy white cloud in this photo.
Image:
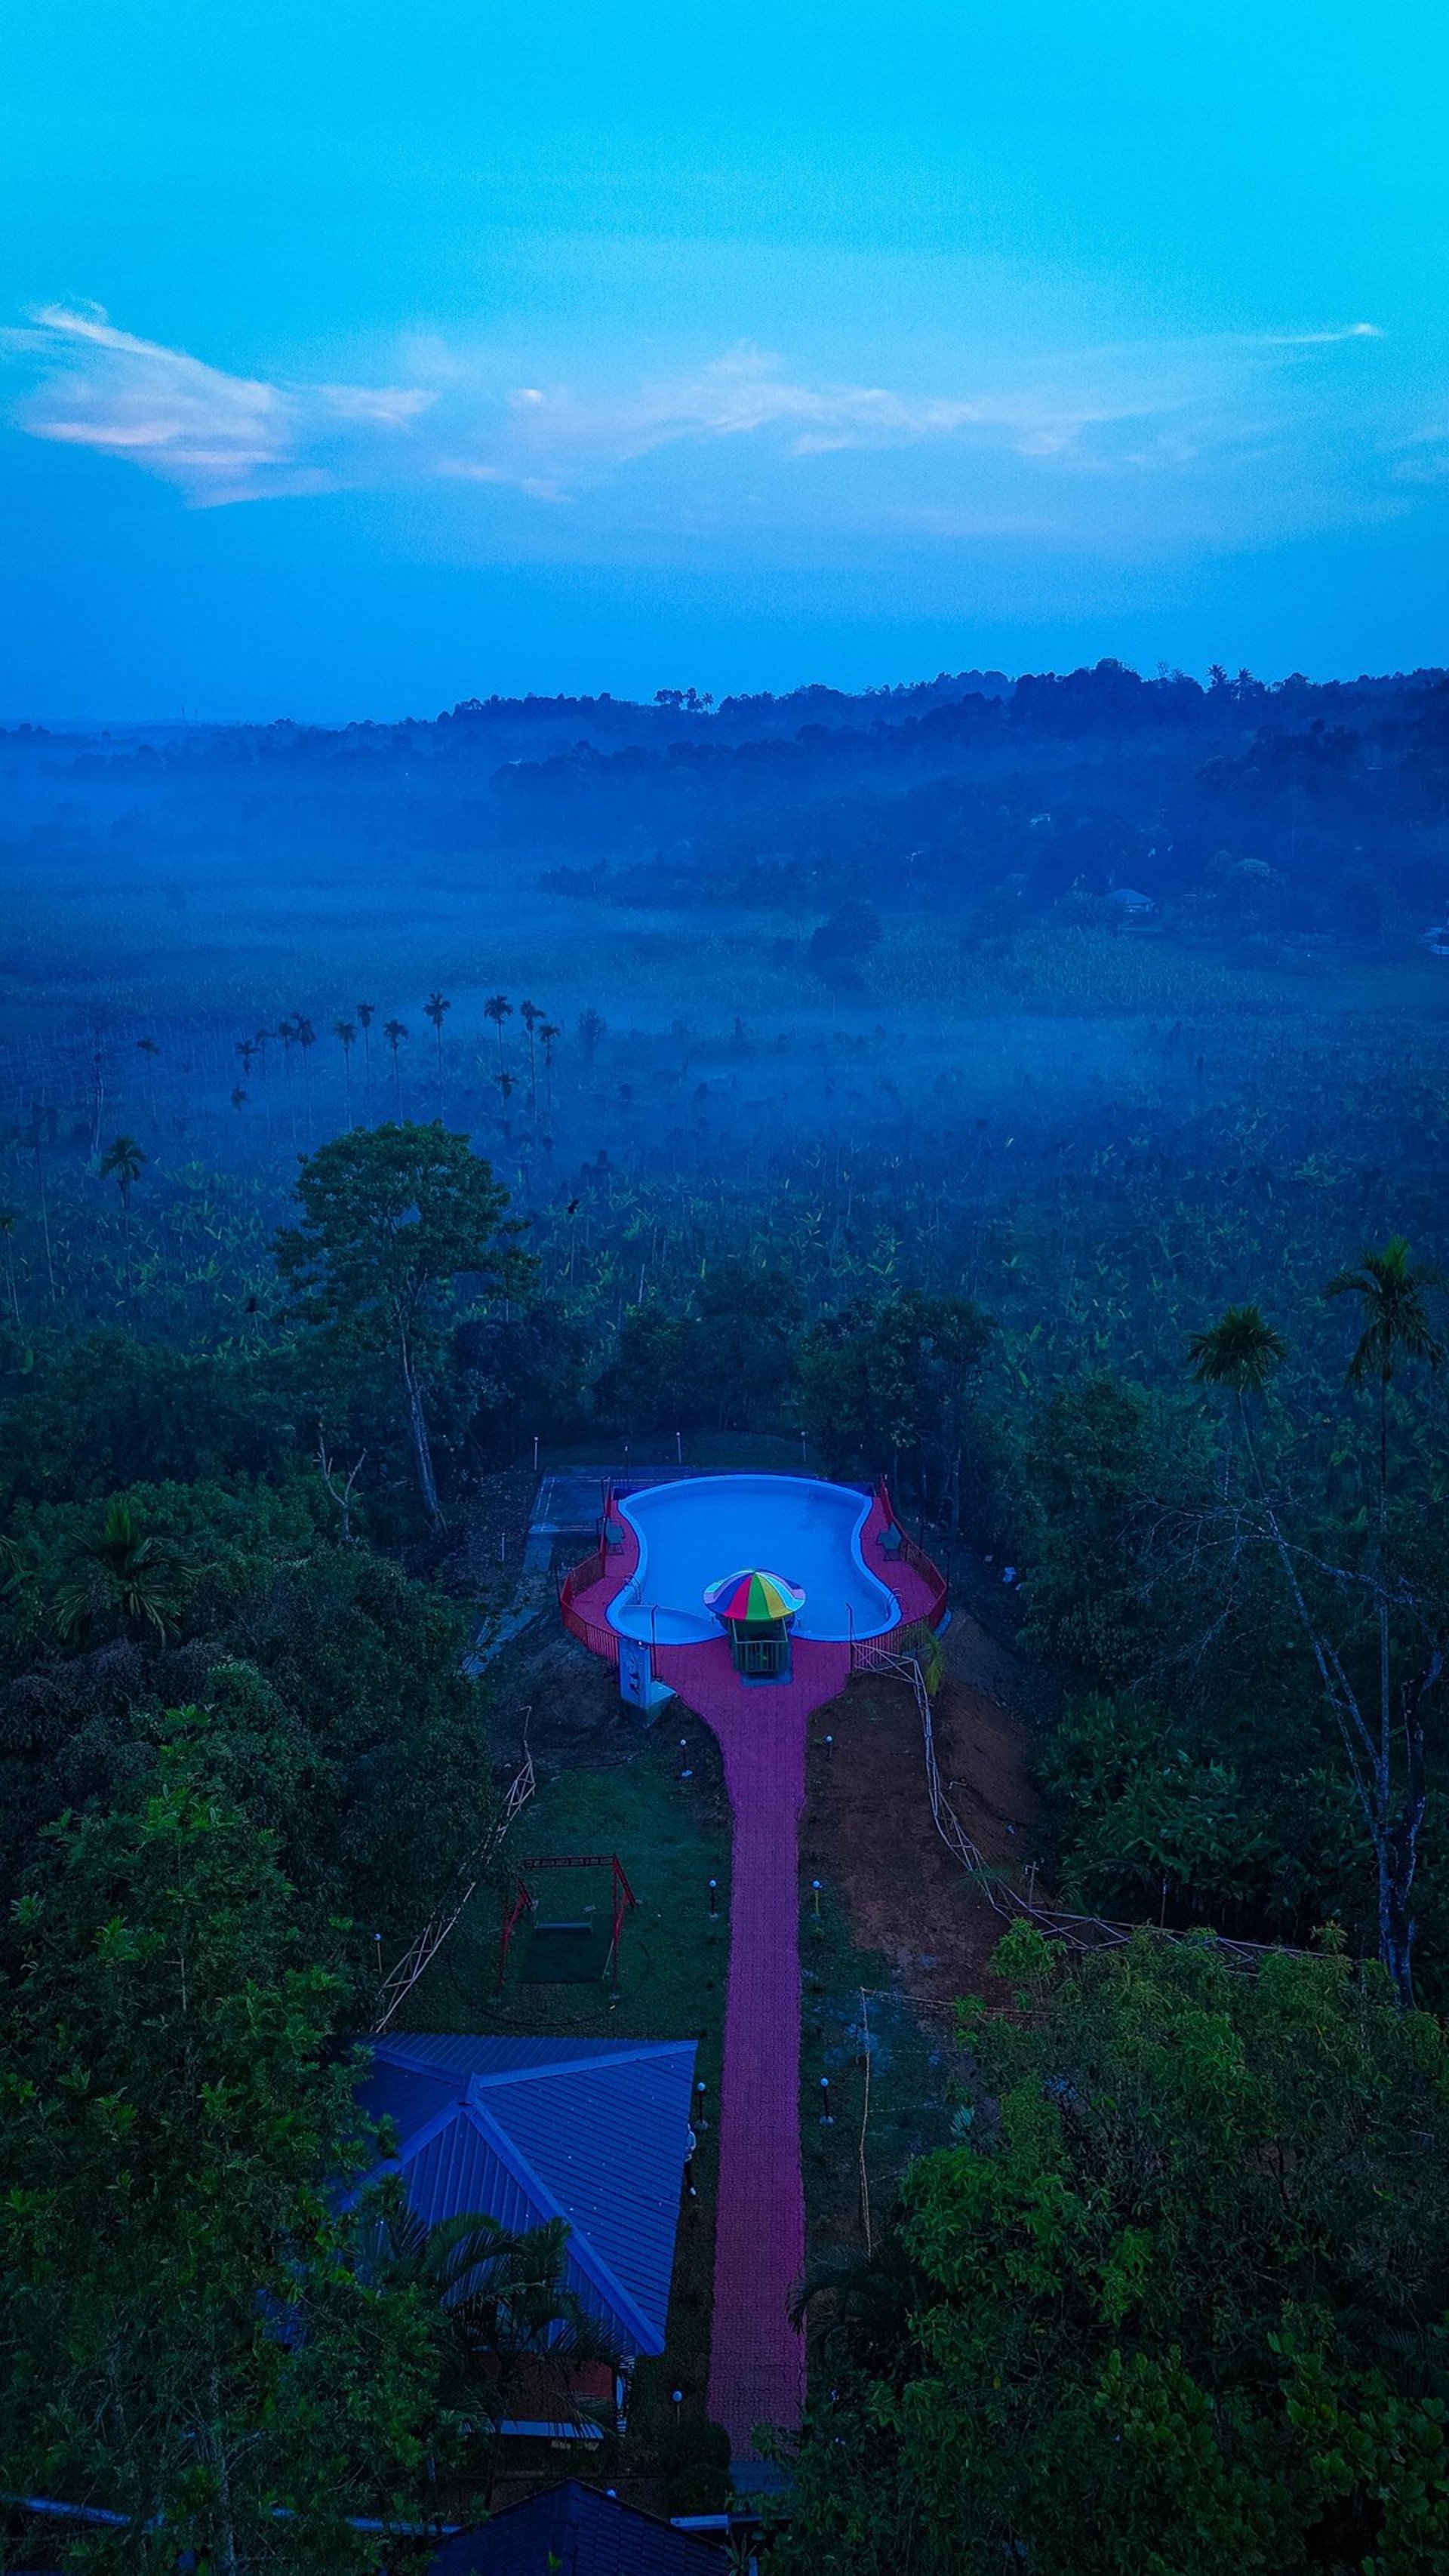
(218, 437)
(464, 419)
(1317, 339)
(748, 391)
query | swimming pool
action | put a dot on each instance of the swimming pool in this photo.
(692, 1532)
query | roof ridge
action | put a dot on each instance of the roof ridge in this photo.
(610, 2056)
(581, 2247)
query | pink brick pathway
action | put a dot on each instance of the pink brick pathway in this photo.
(757, 2361)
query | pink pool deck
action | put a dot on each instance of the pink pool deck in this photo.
(757, 2360)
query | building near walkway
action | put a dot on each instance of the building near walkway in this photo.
(591, 2131)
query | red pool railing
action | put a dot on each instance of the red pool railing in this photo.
(603, 1640)
(920, 1563)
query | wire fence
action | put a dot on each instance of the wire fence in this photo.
(1082, 1931)
(400, 1980)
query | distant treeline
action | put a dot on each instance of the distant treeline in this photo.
(1298, 807)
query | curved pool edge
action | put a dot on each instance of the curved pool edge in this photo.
(681, 1627)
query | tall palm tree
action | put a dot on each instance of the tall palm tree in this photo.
(1392, 1297)
(366, 1014)
(120, 1582)
(505, 1086)
(548, 1034)
(1243, 1353)
(306, 1037)
(395, 1034)
(123, 1162)
(530, 1014)
(1394, 1315)
(437, 1010)
(287, 1033)
(498, 1008)
(345, 1032)
(148, 1050)
(512, 2328)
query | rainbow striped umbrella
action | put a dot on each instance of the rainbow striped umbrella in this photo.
(751, 1594)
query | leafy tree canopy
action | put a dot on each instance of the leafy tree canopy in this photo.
(391, 1217)
(189, 2339)
(1176, 2302)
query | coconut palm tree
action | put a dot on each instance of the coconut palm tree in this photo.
(512, 2329)
(395, 1034)
(123, 1162)
(859, 2306)
(121, 1582)
(1394, 1315)
(1242, 1353)
(436, 1009)
(498, 1008)
(345, 1032)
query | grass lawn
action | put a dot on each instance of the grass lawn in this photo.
(672, 1837)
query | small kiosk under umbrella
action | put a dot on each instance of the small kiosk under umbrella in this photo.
(756, 1610)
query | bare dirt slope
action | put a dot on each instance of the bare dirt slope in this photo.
(868, 1826)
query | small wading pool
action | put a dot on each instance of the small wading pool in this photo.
(693, 1532)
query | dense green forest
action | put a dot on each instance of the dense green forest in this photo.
(1038, 1094)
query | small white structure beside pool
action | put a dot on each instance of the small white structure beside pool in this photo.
(692, 1532)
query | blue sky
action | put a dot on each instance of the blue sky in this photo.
(359, 358)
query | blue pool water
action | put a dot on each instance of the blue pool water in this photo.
(693, 1532)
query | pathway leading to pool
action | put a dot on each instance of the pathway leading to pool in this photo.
(757, 2360)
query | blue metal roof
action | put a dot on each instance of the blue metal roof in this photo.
(594, 2131)
(579, 2532)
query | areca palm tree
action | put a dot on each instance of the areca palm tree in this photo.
(549, 1033)
(123, 1162)
(306, 1037)
(530, 1014)
(436, 1009)
(1385, 1761)
(510, 2326)
(498, 1008)
(345, 1032)
(1394, 1316)
(148, 1051)
(121, 1582)
(366, 1014)
(395, 1033)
